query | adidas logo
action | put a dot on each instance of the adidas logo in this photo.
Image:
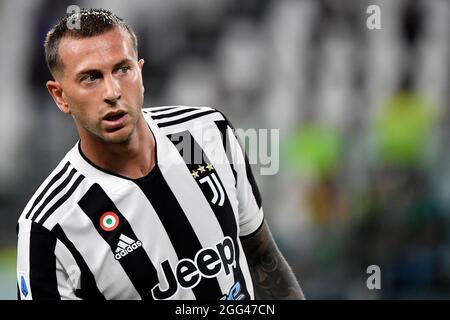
(125, 246)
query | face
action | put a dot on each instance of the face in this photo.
(100, 85)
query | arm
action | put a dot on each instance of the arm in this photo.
(272, 276)
(36, 263)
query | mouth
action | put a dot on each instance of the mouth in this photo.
(115, 120)
(113, 116)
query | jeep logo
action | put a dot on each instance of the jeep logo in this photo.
(208, 263)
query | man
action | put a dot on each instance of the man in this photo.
(140, 208)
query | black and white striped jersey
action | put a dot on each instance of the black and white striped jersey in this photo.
(173, 234)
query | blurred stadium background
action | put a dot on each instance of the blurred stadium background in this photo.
(363, 117)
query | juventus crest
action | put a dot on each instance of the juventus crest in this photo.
(208, 176)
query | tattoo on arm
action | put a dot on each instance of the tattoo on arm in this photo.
(272, 276)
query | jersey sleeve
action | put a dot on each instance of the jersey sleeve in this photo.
(251, 214)
(39, 272)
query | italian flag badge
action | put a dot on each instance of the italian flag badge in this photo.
(109, 221)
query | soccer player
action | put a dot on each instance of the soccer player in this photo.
(141, 207)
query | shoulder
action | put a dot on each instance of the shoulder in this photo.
(53, 195)
(178, 118)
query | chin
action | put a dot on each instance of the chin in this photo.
(118, 140)
(119, 136)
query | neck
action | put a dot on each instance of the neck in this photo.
(134, 158)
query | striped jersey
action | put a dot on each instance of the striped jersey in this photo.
(174, 234)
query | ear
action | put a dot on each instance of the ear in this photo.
(141, 66)
(56, 91)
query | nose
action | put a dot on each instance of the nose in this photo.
(112, 90)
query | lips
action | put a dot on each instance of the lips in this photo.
(115, 120)
(113, 117)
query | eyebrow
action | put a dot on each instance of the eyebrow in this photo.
(90, 71)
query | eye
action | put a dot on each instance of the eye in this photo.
(124, 69)
(90, 77)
